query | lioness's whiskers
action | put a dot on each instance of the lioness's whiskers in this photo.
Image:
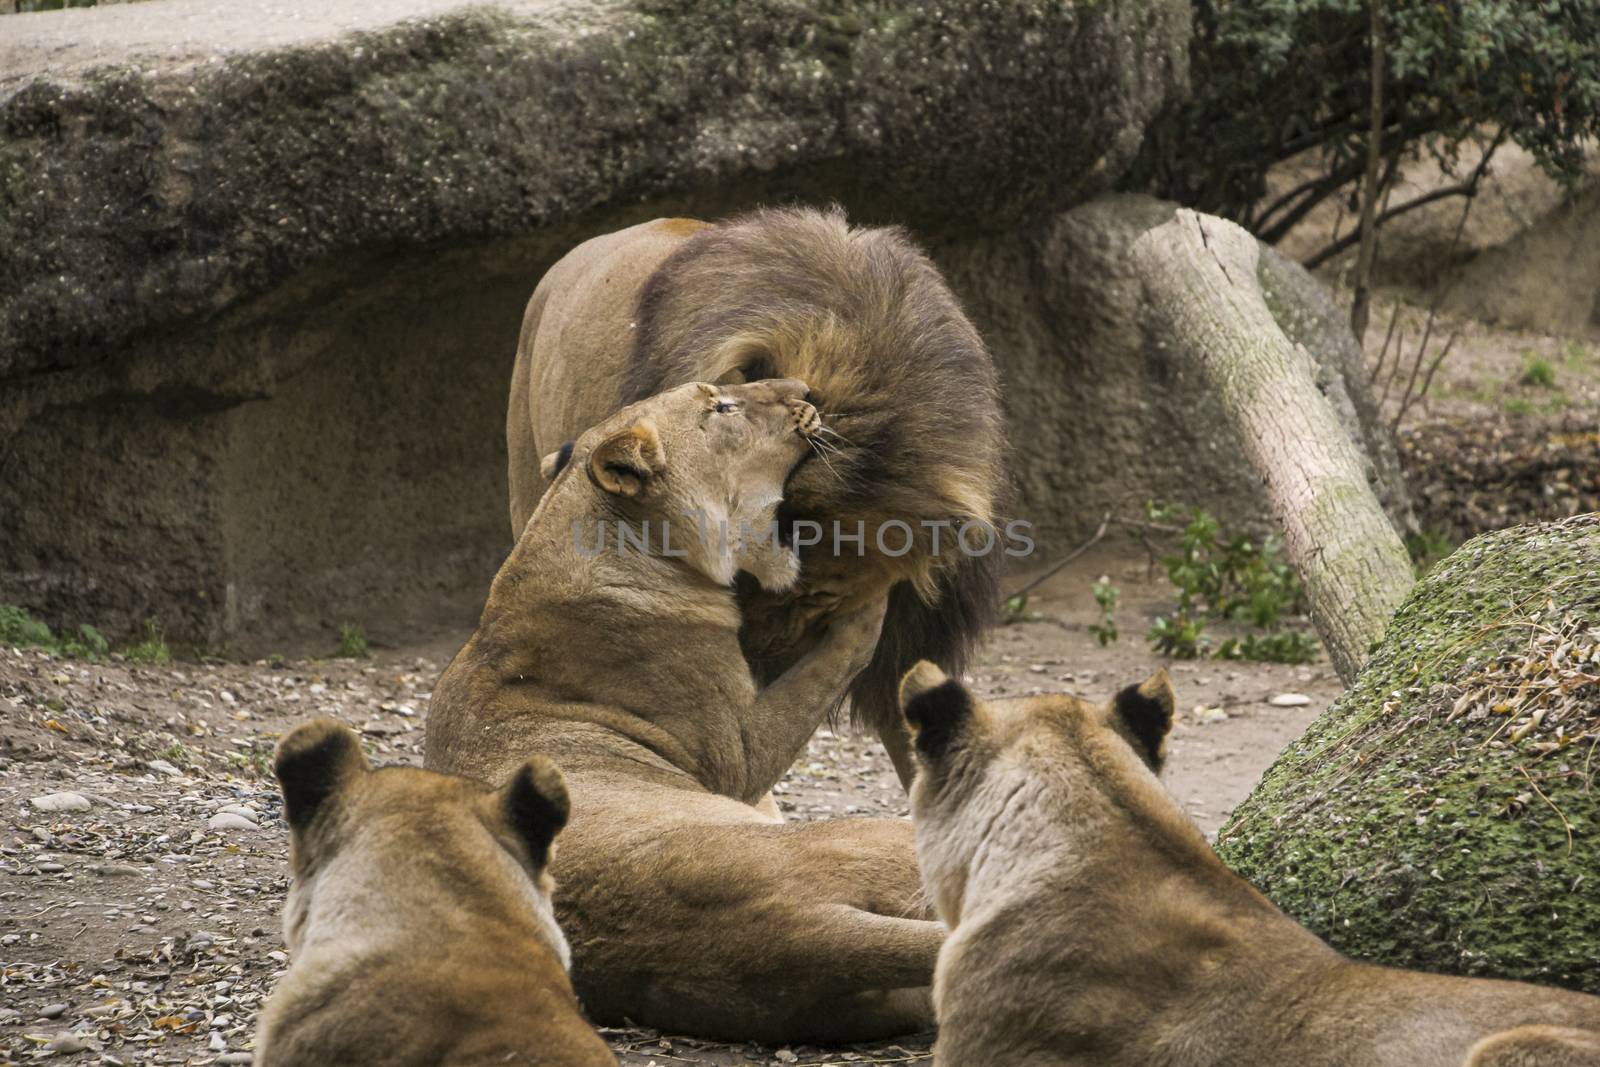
(835, 433)
(822, 456)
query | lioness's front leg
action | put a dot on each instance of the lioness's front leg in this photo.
(787, 712)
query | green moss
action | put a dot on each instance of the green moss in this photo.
(1408, 839)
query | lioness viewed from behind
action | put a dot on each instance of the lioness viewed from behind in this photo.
(900, 374)
(420, 917)
(686, 907)
(1090, 923)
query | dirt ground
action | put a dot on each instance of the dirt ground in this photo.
(146, 929)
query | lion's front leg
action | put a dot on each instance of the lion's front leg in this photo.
(787, 712)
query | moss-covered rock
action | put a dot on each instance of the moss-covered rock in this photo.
(1444, 814)
(158, 163)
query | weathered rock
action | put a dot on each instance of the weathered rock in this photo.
(262, 264)
(1102, 415)
(1431, 820)
(61, 802)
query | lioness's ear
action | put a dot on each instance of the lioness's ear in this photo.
(313, 762)
(1143, 715)
(937, 707)
(553, 464)
(536, 805)
(625, 462)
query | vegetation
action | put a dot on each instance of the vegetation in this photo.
(1232, 579)
(1105, 595)
(152, 650)
(1447, 72)
(20, 629)
(352, 642)
(1442, 813)
(1537, 372)
(1427, 547)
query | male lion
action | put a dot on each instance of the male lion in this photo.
(899, 372)
(420, 917)
(1091, 923)
(687, 908)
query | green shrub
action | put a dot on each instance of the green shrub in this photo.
(1274, 79)
(1105, 595)
(352, 642)
(152, 650)
(19, 628)
(1428, 547)
(1538, 373)
(1232, 579)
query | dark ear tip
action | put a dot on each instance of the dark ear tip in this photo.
(937, 716)
(541, 779)
(949, 695)
(312, 763)
(1146, 710)
(321, 737)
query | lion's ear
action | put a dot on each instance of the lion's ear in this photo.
(314, 762)
(555, 462)
(1143, 715)
(625, 463)
(536, 806)
(937, 707)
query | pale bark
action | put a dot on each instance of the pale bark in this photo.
(1201, 275)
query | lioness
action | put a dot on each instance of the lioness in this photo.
(688, 909)
(902, 377)
(420, 917)
(1091, 923)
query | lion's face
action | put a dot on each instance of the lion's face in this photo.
(987, 771)
(707, 464)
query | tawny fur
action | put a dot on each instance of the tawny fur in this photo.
(865, 319)
(419, 919)
(1092, 924)
(686, 907)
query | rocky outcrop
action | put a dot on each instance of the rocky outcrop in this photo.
(1442, 813)
(1104, 415)
(262, 265)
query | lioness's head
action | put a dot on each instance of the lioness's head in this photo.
(998, 779)
(703, 465)
(358, 834)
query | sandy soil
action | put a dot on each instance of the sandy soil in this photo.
(146, 935)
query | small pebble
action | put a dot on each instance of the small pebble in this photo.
(228, 820)
(161, 766)
(1289, 700)
(115, 870)
(52, 1011)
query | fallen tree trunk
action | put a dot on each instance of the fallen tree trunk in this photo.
(1200, 274)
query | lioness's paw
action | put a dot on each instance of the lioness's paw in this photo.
(855, 632)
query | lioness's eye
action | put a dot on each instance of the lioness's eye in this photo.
(726, 406)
